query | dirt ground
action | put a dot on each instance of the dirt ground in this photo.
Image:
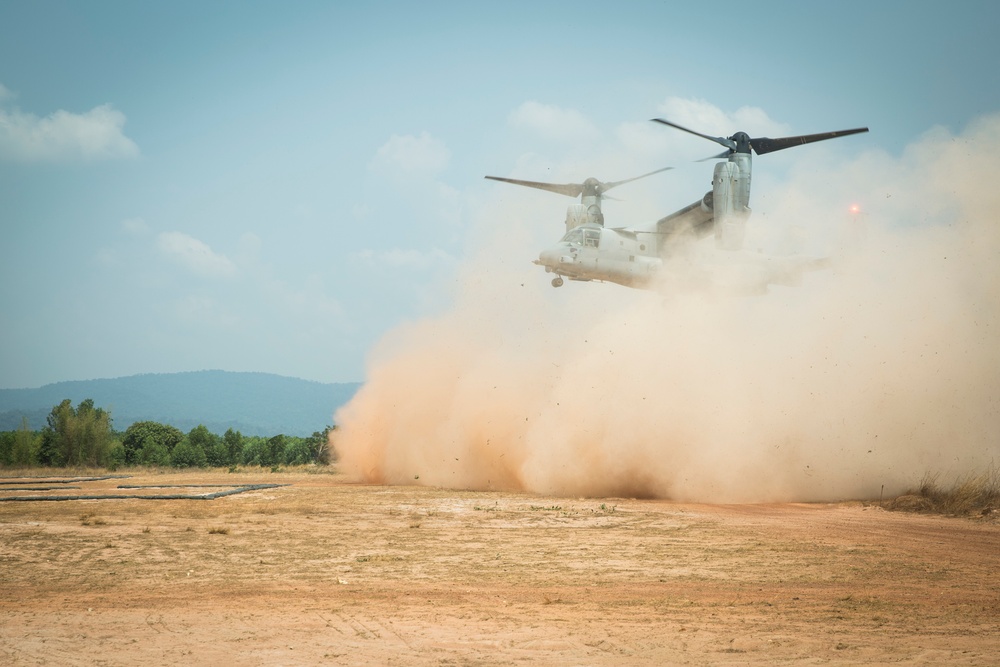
(326, 572)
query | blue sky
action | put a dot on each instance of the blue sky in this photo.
(272, 187)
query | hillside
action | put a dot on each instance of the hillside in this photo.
(253, 403)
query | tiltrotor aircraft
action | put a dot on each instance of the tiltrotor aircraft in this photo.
(632, 256)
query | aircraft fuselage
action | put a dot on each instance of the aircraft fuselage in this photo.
(593, 252)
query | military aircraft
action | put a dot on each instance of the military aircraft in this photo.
(632, 256)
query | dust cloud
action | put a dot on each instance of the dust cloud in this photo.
(866, 376)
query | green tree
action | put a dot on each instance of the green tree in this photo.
(319, 446)
(298, 452)
(80, 436)
(209, 443)
(264, 452)
(116, 457)
(200, 436)
(255, 451)
(153, 453)
(233, 441)
(24, 451)
(51, 451)
(6, 447)
(188, 455)
(153, 437)
(217, 456)
(275, 451)
(20, 447)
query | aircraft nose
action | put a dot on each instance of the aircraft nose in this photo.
(555, 256)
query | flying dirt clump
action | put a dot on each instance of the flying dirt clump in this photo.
(862, 378)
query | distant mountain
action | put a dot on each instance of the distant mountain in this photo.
(252, 403)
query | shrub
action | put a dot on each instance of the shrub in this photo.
(973, 493)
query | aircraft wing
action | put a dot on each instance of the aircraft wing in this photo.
(690, 223)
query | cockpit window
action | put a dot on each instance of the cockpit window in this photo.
(590, 238)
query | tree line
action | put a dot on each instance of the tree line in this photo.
(84, 436)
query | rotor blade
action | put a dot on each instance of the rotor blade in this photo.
(569, 189)
(722, 141)
(765, 145)
(607, 186)
(721, 155)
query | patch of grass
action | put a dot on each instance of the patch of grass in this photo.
(968, 495)
(378, 558)
(218, 530)
(488, 508)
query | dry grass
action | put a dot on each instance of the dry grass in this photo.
(333, 568)
(969, 495)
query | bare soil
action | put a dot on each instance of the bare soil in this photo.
(327, 572)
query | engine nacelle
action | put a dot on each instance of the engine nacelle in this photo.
(730, 196)
(578, 214)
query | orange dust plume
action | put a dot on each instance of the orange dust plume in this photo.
(866, 375)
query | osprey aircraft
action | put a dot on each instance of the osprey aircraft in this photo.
(633, 256)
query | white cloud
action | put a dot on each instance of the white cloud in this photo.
(63, 136)
(195, 255)
(413, 155)
(552, 122)
(707, 118)
(698, 115)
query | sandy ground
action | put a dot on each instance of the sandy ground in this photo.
(327, 572)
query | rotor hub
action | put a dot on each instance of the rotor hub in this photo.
(742, 141)
(592, 187)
